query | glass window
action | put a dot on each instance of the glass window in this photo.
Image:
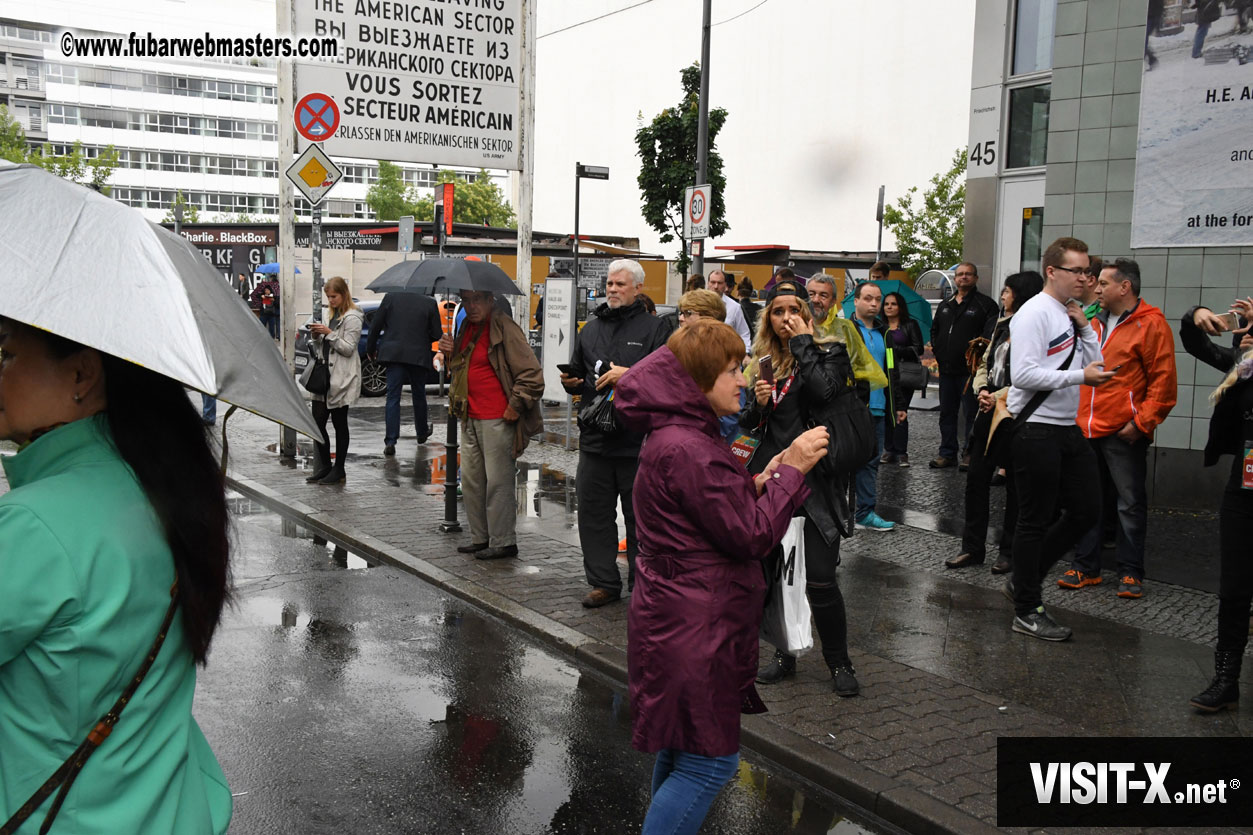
(1033, 36)
(1028, 126)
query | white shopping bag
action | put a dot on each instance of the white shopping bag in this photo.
(785, 623)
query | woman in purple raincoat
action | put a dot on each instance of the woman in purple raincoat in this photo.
(699, 586)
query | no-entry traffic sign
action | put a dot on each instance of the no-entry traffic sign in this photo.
(317, 117)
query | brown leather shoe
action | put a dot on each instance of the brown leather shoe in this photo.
(941, 463)
(599, 597)
(1001, 566)
(963, 561)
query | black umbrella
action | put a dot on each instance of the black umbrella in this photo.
(440, 275)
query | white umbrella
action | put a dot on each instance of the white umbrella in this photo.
(83, 266)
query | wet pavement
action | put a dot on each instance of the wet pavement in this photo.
(343, 696)
(942, 674)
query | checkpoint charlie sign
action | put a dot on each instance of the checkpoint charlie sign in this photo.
(431, 81)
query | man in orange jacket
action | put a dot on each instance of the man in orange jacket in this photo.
(1119, 418)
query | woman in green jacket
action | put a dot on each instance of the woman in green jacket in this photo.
(115, 504)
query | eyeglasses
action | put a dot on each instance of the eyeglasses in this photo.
(684, 313)
(1075, 270)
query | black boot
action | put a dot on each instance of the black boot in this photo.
(335, 475)
(783, 666)
(322, 455)
(1224, 690)
(844, 681)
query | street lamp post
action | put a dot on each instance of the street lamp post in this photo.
(590, 172)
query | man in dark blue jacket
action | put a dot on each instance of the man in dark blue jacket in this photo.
(412, 324)
(620, 334)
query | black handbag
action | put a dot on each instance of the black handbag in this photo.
(316, 378)
(600, 415)
(912, 375)
(851, 426)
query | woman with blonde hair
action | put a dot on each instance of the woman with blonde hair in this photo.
(695, 305)
(805, 372)
(1230, 431)
(338, 343)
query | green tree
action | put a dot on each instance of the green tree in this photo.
(388, 197)
(667, 149)
(477, 200)
(75, 165)
(929, 235)
(191, 212)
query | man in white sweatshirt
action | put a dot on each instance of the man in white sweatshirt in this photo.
(1053, 351)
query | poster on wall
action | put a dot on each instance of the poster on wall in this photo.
(1194, 155)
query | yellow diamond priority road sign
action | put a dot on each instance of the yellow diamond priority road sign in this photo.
(314, 174)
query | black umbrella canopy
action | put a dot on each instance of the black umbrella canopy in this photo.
(438, 275)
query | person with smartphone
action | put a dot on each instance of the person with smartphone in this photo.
(793, 373)
(1119, 419)
(1054, 351)
(619, 334)
(1230, 432)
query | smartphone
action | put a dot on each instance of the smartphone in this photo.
(566, 368)
(1230, 320)
(766, 364)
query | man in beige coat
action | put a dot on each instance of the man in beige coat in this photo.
(496, 387)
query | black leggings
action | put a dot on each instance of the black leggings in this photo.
(339, 419)
(825, 599)
(1235, 572)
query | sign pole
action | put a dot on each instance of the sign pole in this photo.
(286, 215)
(578, 290)
(878, 215)
(315, 241)
(702, 127)
(526, 153)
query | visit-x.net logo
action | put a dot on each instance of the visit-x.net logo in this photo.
(1124, 782)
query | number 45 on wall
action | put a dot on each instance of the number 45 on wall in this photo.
(984, 153)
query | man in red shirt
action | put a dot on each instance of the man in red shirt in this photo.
(496, 387)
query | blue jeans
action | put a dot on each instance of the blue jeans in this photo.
(867, 478)
(208, 408)
(1198, 42)
(1127, 465)
(952, 400)
(683, 787)
(399, 373)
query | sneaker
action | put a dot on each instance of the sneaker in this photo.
(941, 463)
(389, 450)
(1130, 588)
(903, 461)
(875, 522)
(1076, 579)
(887, 458)
(1038, 624)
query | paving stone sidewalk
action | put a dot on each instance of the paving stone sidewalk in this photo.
(942, 674)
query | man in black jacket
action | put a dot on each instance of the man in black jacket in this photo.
(620, 334)
(957, 321)
(412, 324)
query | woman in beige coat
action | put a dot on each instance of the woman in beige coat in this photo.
(341, 339)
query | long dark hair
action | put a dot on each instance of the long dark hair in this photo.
(900, 305)
(161, 437)
(1024, 285)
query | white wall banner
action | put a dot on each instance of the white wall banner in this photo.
(1194, 157)
(419, 80)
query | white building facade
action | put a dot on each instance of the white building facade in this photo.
(207, 128)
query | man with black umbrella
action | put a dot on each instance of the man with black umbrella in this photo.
(411, 322)
(620, 334)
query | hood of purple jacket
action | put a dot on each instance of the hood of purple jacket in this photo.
(659, 392)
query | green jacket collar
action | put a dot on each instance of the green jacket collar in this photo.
(51, 454)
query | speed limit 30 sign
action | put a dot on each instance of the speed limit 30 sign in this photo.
(697, 209)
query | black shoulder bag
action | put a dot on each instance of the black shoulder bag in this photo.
(69, 770)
